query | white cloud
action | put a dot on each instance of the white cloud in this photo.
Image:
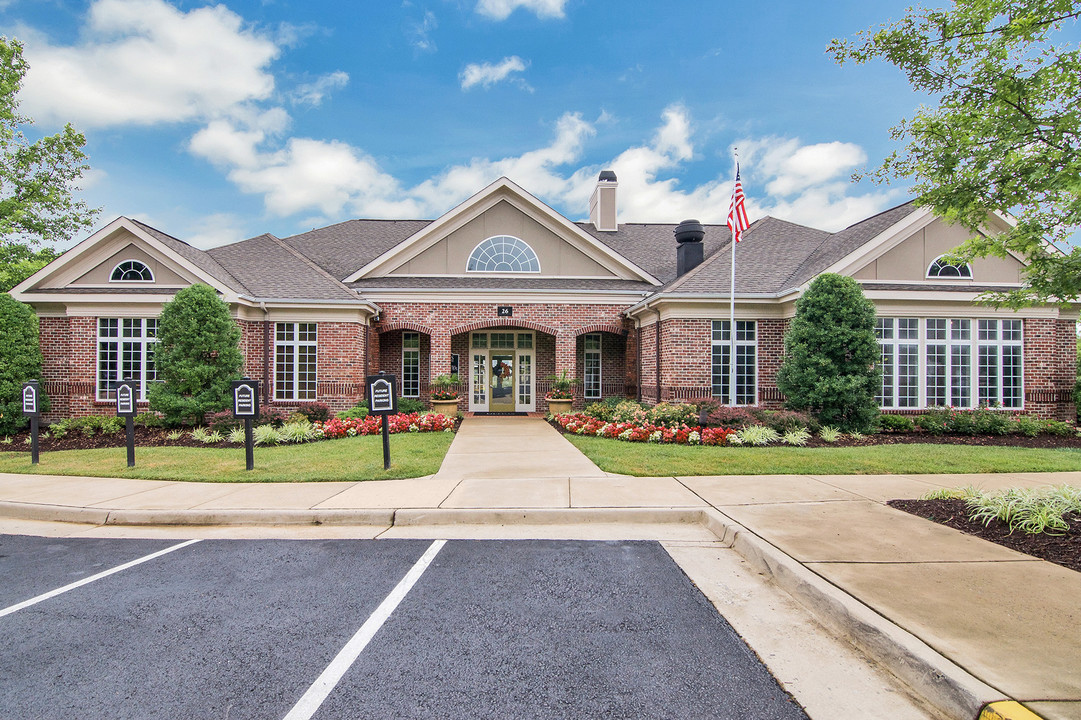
(336, 180)
(501, 9)
(144, 62)
(487, 74)
(214, 230)
(313, 93)
(421, 32)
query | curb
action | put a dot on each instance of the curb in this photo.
(942, 683)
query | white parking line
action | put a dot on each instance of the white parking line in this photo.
(325, 683)
(92, 578)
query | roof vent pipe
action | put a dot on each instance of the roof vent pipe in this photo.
(689, 234)
(602, 206)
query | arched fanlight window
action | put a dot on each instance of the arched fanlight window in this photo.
(942, 269)
(131, 271)
(503, 253)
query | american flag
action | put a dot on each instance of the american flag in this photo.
(737, 213)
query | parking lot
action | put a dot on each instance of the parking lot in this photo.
(360, 628)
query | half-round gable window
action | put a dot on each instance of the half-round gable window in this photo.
(942, 269)
(131, 271)
(503, 253)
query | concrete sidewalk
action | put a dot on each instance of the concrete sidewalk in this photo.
(963, 621)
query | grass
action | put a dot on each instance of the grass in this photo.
(356, 458)
(648, 460)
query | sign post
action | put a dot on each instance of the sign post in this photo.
(246, 406)
(125, 408)
(31, 409)
(382, 392)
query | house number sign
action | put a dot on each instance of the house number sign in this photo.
(504, 311)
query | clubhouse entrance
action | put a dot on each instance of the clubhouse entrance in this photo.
(502, 375)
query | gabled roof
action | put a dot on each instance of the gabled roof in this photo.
(276, 271)
(344, 248)
(195, 256)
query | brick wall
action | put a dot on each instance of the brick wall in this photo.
(1050, 358)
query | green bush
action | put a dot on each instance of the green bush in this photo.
(1059, 428)
(784, 421)
(197, 356)
(149, 420)
(831, 354)
(358, 411)
(896, 423)
(604, 409)
(411, 405)
(668, 414)
(20, 361)
(630, 411)
(1027, 425)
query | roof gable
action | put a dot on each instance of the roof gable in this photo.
(88, 265)
(502, 208)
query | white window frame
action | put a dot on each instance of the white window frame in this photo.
(963, 344)
(411, 356)
(294, 347)
(939, 262)
(113, 335)
(520, 252)
(746, 337)
(593, 391)
(133, 262)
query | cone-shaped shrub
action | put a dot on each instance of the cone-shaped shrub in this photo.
(831, 353)
(197, 356)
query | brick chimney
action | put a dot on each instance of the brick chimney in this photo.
(602, 206)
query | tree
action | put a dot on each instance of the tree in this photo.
(830, 355)
(18, 262)
(20, 359)
(1006, 133)
(197, 356)
(37, 179)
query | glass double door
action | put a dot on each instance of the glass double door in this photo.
(502, 376)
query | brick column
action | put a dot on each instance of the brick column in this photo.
(565, 357)
(439, 363)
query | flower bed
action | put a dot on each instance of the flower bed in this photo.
(373, 425)
(582, 424)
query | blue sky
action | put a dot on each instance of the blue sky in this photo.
(220, 122)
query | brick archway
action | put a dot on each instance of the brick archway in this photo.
(503, 323)
(390, 327)
(601, 327)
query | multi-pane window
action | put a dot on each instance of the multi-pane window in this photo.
(746, 362)
(125, 350)
(942, 269)
(964, 362)
(503, 253)
(410, 364)
(295, 350)
(131, 271)
(591, 374)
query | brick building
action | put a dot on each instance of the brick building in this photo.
(506, 292)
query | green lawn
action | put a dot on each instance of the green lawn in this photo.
(648, 460)
(357, 458)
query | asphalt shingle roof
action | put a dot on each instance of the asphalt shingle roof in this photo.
(277, 271)
(200, 258)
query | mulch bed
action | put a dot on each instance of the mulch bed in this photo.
(1062, 550)
(144, 437)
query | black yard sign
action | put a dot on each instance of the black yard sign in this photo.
(32, 410)
(246, 407)
(382, 393)
(126, 399)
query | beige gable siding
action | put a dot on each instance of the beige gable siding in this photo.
(100, 274)
(450, 255)
(909, 260)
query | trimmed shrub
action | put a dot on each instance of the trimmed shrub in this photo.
(149, 420)
(831, 355)
(222, 421)
(784, 421)
(197, 356)
(410, 406)
(896, 423)
(357, 412)
(668, 414)
(20, 361)
(274, 416)
(314, 411)
(731, 417)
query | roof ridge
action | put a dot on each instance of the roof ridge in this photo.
(311, 263)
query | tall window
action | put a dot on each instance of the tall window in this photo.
(591, 363)
(959, 362)
(503, 253)
(295, 361)
(125, 350)
(746, 362)
(410, 364)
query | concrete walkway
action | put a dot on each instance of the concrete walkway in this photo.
(963, 621)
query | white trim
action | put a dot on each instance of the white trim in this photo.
(502, 190)
(949, 278)
(509, 273)
(294, 347)
(122, 280)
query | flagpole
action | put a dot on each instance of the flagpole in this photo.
(732, 310)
